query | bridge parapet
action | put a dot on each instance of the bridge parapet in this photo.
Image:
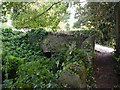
(53, 42)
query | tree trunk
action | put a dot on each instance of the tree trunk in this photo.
(117, 13)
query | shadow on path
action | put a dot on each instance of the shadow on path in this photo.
(104, 73)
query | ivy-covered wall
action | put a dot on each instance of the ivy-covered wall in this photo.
(55, 41)
(24, 64)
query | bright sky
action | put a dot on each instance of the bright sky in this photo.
(72, 11)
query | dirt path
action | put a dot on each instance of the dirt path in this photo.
(104, 71)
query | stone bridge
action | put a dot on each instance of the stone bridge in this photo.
(53, 42)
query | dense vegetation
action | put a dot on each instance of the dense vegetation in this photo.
(34, 14)
(26, 66)
(101, 17)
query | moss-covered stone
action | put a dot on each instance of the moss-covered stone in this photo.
(55, 41)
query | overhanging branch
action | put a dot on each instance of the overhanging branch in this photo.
(43, 12)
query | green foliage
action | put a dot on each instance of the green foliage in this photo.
(20, 49)
(88, 32)
(25, 66)
(68, 27)
(36, 74)
(100, 16)
(79, 58)
(34, 14)
(69, 59)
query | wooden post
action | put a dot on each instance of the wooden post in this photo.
(117, 13)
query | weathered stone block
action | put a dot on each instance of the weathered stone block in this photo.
(55, 41)
(74, 80)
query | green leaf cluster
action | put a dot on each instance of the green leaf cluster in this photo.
(26, 66)
(100, 16)
(34, 14)
(23, 60)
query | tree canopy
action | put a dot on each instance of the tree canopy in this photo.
(35, 14)
(100, 16)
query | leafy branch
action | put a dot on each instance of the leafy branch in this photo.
(43, 12)
(21, 7)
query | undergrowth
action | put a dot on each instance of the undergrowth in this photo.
(24, 64)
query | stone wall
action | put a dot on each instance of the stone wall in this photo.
(53, 42)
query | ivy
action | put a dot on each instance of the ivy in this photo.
(26, 66)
